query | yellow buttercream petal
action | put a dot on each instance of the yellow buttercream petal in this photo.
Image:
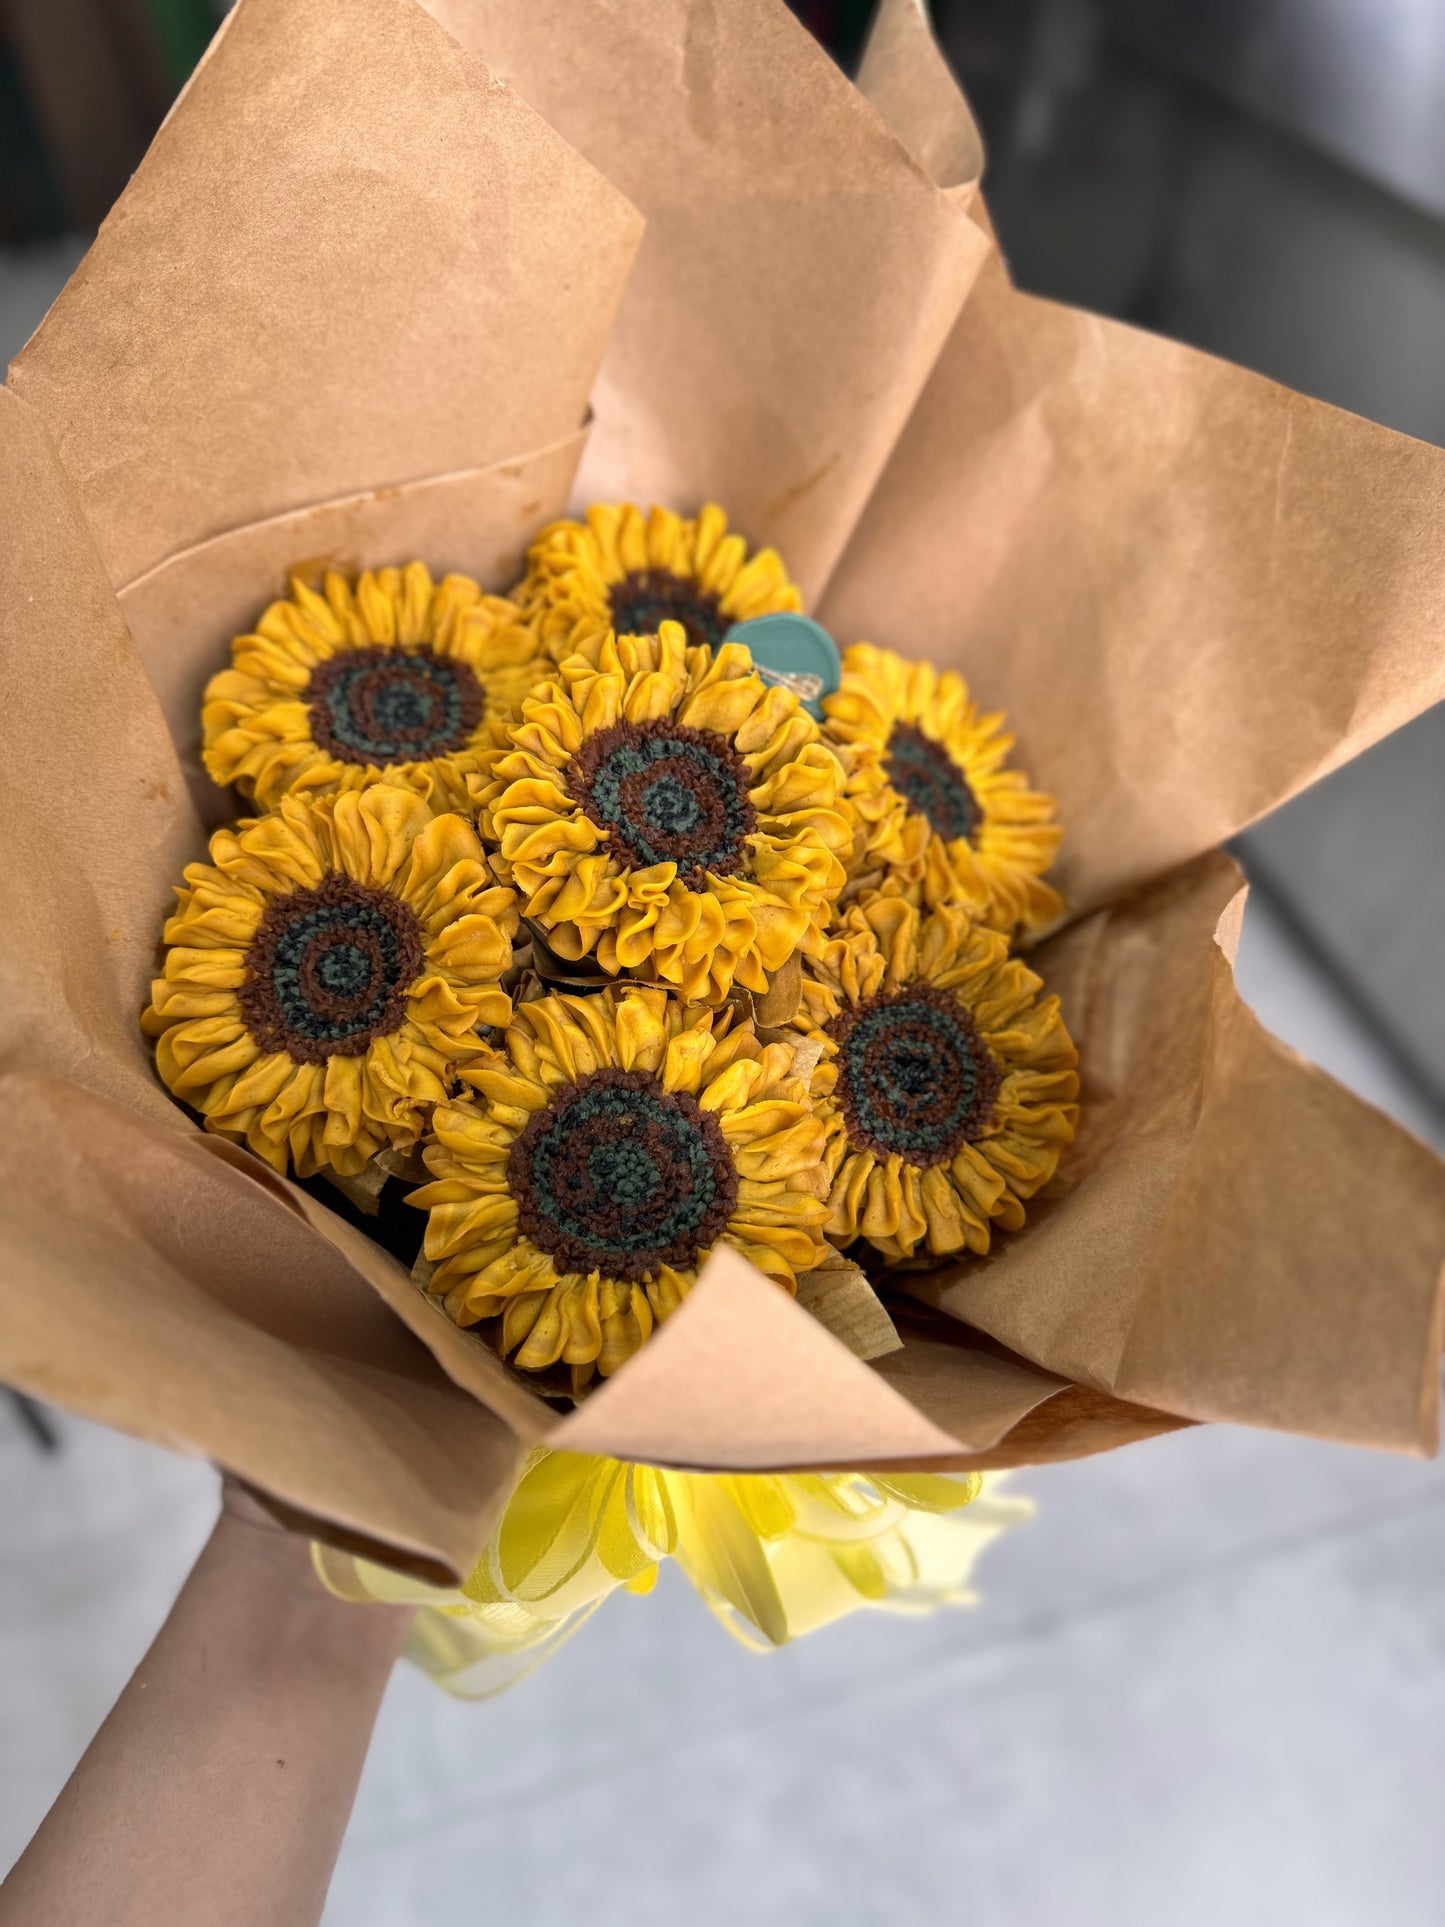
(586, 1128)
(326, 972)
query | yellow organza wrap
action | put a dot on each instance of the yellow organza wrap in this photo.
(775, 1555)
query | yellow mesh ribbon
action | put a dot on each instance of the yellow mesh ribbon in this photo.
(775, 1556)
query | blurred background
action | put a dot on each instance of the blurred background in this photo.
(1209, 1681)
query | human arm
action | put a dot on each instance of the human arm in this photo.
(219, 1787)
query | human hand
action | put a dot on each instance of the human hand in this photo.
(271, 1545)
(217, 1792)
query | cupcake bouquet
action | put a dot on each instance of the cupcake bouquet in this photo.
(636, 1068)
(579, 921)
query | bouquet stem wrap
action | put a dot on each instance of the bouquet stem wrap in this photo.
(774, 1556)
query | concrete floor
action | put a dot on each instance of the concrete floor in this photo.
(1207, 1683)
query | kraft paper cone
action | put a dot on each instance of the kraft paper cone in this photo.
(904, 74)
(157, 1288)
(761, 1373)
(183, 614)
(97, 825)
(960, 1377)
(799, 273)
(379, 266)
(1232, 1236)
(741, 1377)
(1078, 1424)
(1193, 591)
(168, 1282)
(355, 355)
(1250, 598)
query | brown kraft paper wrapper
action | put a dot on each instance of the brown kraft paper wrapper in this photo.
(356, 299)
(798, 276)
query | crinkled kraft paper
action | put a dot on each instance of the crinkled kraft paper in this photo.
(354, 307)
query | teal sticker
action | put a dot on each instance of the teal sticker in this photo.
(794, 652)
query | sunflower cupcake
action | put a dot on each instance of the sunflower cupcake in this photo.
(627, 572)
(941, 817)
(611, 1143)
(390, 677)
(950, 1083)
(325, 974)
(663, 812)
